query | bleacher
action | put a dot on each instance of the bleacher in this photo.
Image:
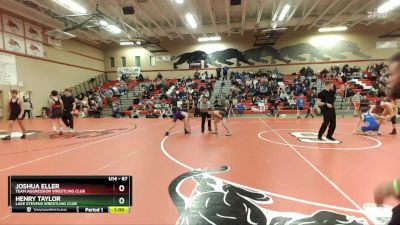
(248, 103)
(158, 92)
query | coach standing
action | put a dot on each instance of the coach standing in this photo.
(326, 100)
(204, 105)
(69, 107)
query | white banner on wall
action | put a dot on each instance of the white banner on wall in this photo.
(54, 41)
(386, 44)
(129, 71)
(8, 69)
(14, 43)
(163, 58)
(34, 48)
(33, 32)
(1, 41)
(13, 25)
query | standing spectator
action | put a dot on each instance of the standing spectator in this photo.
(140, 78)
(196, 75)
(116, 110)
(218, 72)
(225, 72)
(109, 95)
(300, 104)
(356, 100)
(204, 77)
(85, 106)
(27, 109)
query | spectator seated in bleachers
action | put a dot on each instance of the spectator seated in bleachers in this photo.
(116, 110)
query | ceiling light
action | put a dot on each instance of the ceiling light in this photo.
(138, 42)
(103, 23)
(388, 6)
(284, 12)
(332, 29)
(72, 6)
(179, 1)
(126, 43)
(114, 29)
(215, 38)
(204, 39)
(190, 19)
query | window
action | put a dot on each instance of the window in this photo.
(152, 61)
(123, 61)
(137, 61)
(112, 61)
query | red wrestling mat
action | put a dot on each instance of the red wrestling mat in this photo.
(271, 171)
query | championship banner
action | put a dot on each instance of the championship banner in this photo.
(1, 41)
(128, 71)
(13, 25)
(8, 69)
(34, 48)
(33, 32)
(14, 43)
(54, 41)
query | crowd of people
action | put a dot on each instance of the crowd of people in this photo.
(269, 91)
(158, 97)
(262, 91)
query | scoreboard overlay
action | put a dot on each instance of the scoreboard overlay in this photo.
(70, 194)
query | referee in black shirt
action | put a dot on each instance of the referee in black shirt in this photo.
(69, 106)
(326, 99)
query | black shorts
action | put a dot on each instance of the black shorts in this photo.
(393, 120)
(300, 107)
(56, 113)
(395, 216)
(13, 116)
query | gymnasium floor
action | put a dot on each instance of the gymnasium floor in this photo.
(271, 177)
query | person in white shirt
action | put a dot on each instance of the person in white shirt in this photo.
(27, 109)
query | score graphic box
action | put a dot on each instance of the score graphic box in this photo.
(73, 194)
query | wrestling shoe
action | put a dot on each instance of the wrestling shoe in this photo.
(6, 138)
(331, 138)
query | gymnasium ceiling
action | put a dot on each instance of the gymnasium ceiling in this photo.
(157, 19)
